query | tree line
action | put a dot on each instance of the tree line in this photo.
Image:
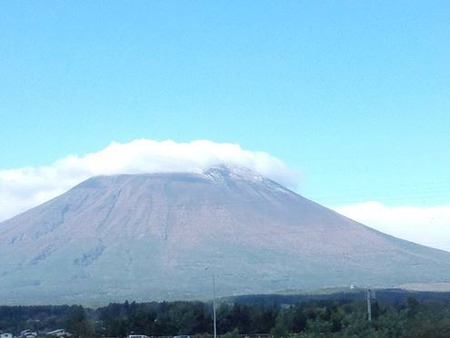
(280, 317)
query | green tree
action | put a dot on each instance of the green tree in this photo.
(78, 323)
(284, 324)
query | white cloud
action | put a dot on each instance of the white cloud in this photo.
(23, 188)
(424, 225)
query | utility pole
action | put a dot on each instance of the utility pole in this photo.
(214, 302)
(369, 306)
(214, 305)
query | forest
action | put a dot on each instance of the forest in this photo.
(393, 313)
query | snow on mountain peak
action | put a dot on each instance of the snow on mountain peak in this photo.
(234, 172)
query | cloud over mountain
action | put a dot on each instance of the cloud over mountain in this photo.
(23, 188)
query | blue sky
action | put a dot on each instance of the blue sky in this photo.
(354, 96)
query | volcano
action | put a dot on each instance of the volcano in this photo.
(165, 236)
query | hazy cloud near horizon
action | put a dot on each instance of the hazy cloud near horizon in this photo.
(23, 188)
(425, 225)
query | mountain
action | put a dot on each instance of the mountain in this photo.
(164, 236)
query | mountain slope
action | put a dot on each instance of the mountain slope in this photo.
(151, 236)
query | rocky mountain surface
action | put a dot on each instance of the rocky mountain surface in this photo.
(163, 236)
